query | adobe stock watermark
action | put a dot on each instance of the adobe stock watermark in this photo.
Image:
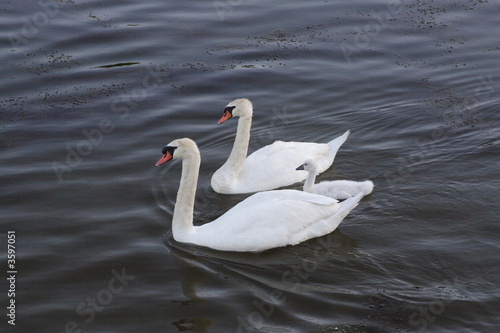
(224, 7)
(46, 11)
(292, 279)
(467, 112)
(428, 313)
(363, 35)
(95, 136)
(89, 308)
(279, 120)
(32, 24)
(425, 148)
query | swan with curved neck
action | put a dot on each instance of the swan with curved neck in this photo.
(263, 221)
(271, 166)
(337, 189)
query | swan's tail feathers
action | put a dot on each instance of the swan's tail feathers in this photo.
(367, 187)
(349, 204)
(336, 143)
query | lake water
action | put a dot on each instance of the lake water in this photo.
(91, 91)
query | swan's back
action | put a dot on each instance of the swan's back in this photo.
(273, 166)
(271, 219)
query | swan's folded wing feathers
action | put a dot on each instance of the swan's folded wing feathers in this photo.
(272, 219)
(278, 195)
(274, 210)
(274, 166)
(282, 149)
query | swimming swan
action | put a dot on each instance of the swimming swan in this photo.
(337, 189)
(263, 221)
(271, 166)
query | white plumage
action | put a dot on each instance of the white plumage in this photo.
(337, 189)
(270, 167)
(263, 221)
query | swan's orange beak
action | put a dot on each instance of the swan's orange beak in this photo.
(167, 157)
(225, 117)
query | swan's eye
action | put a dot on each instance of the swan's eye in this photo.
(229, 109)
(168, 149)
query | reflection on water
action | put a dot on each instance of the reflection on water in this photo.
(269, 276)
(118, 65)
(190, 278)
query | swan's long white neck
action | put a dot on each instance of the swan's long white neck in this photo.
(234, 163)
(182, 221)
(309, 183)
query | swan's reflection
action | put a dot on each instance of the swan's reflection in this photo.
(196, 325)
(190, 278)
(283, 269)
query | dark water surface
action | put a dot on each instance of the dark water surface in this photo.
(91, 91)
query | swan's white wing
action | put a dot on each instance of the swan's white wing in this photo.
(274, 165)
(269, 219)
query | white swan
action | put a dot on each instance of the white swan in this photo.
(337, 189)
(262, 221)
(271, 166)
